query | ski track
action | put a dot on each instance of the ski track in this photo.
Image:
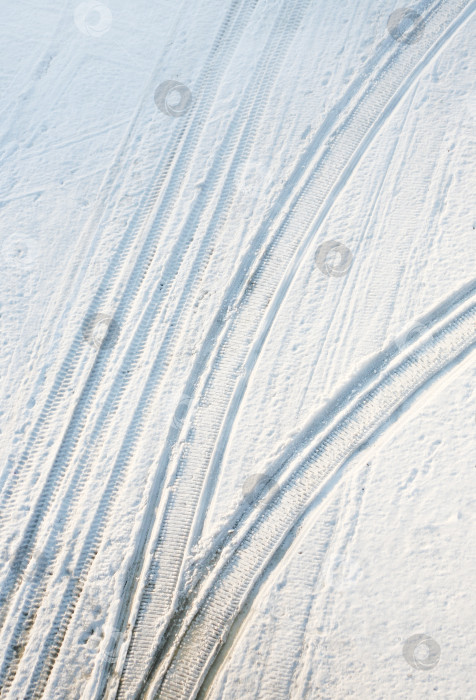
(210, 613)
(32, 599)
(210, 413)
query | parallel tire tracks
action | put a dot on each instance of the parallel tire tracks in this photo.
(253, 314)
(266, 72)
(253, 282)
(288, 19)
(214, 67)
(200, 631)
(166, 182)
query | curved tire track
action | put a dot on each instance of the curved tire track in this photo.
(214, 412)
(267, 70)
(78, 421)
(196, 640)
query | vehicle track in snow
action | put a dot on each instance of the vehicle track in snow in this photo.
(234, 25)
(105, 211)
(213, 416)
(199, 630)
(167, 176)
(103, 356)
(267, 71)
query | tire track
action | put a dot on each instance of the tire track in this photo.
(211, 413)
(331, 569)
(196, 639)
(254, 108)
(288, 22)
(104, 354)
(170, 170)
(267, 70)
(21, 560)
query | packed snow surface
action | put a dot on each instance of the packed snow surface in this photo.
(238, 329)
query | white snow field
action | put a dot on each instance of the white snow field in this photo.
(238, 342)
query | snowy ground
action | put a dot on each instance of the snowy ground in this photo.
(238, 330)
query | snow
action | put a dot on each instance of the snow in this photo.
(230, 231)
